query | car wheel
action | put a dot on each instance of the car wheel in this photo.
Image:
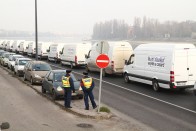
(43, 90)
(32, 81)
(126, 78)
(25, 77)
(54, 95)
(155, 85)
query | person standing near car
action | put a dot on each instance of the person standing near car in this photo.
(68, 85)
(87, 85)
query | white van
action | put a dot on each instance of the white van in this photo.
(15, 46)
(73, 54)
(54, 52)
(42, 49)
(23, 47)
(3, 44)
(9, 45)
(165, 65)
(117, 52)
(31, 50)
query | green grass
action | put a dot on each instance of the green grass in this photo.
(104, 109)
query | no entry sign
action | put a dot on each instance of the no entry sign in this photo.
(102, 61)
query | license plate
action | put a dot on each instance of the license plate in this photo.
(181, 83)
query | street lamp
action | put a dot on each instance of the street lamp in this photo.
(36, 39)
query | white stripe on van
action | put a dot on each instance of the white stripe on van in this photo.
(103, 61)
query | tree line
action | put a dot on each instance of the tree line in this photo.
(145, 28)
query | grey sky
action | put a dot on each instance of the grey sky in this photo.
(79, 16)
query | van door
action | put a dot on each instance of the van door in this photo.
(191, 66)
(181, 67)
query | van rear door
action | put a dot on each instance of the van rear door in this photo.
(180, 67)
(191, 66)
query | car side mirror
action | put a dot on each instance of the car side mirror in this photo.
(125, 62)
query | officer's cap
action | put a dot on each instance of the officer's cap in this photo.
(68, 71)
(85, 73)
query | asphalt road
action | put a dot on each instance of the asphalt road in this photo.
(165, 110)
(26, 110)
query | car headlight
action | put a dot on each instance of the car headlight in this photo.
(37, 76)
(59, 88)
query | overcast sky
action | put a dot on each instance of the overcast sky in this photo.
(79, 16)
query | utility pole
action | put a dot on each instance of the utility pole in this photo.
(36, 39)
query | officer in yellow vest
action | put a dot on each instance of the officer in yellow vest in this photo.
(87, 85)
(68, 85)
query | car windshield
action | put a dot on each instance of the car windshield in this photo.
(41, 67)
(23, 62)
(58, 76)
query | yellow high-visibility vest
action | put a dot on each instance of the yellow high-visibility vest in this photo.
(65, 82)
(87, 82)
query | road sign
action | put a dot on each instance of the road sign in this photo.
(102, 61)
(102, 47)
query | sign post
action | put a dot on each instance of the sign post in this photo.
(102, 61)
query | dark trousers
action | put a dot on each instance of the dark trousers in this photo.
(67, 97)
(90, 95)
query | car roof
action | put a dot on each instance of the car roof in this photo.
(38, 62)
(23, 59)
(57, 71)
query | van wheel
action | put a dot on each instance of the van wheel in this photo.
(155, 85)
(104, 73)
(126, 78)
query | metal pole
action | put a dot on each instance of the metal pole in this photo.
(36, 39)
(100, 84)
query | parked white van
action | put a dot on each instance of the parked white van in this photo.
(15, 46)
(73, 54)
(54, 52)
(165, 65)
(31, 50)
(9, 45)
(117, 52)
(42, 49)
(23, 47)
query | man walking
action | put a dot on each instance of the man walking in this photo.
(68, 85)
(87, 85)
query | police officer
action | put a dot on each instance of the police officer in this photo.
(87, 85)
(68, 85)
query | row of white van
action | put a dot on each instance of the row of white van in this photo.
(166, 65)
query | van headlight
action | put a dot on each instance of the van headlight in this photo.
(59, 88)
(37, 76)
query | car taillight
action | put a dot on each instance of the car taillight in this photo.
(112, 65)
(171, 76)
(76, 59)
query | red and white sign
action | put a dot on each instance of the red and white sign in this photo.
(102, 61)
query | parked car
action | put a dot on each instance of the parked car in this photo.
(11, 61)
(19, 66)
(53, 84)
(35, 71)
(166, 65)
(5, 58)
(2, 55)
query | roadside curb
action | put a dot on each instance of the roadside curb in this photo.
(98, 116)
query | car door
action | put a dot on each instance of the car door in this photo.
(50, 81)
(28, 72)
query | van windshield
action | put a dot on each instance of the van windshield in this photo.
(41, 67)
